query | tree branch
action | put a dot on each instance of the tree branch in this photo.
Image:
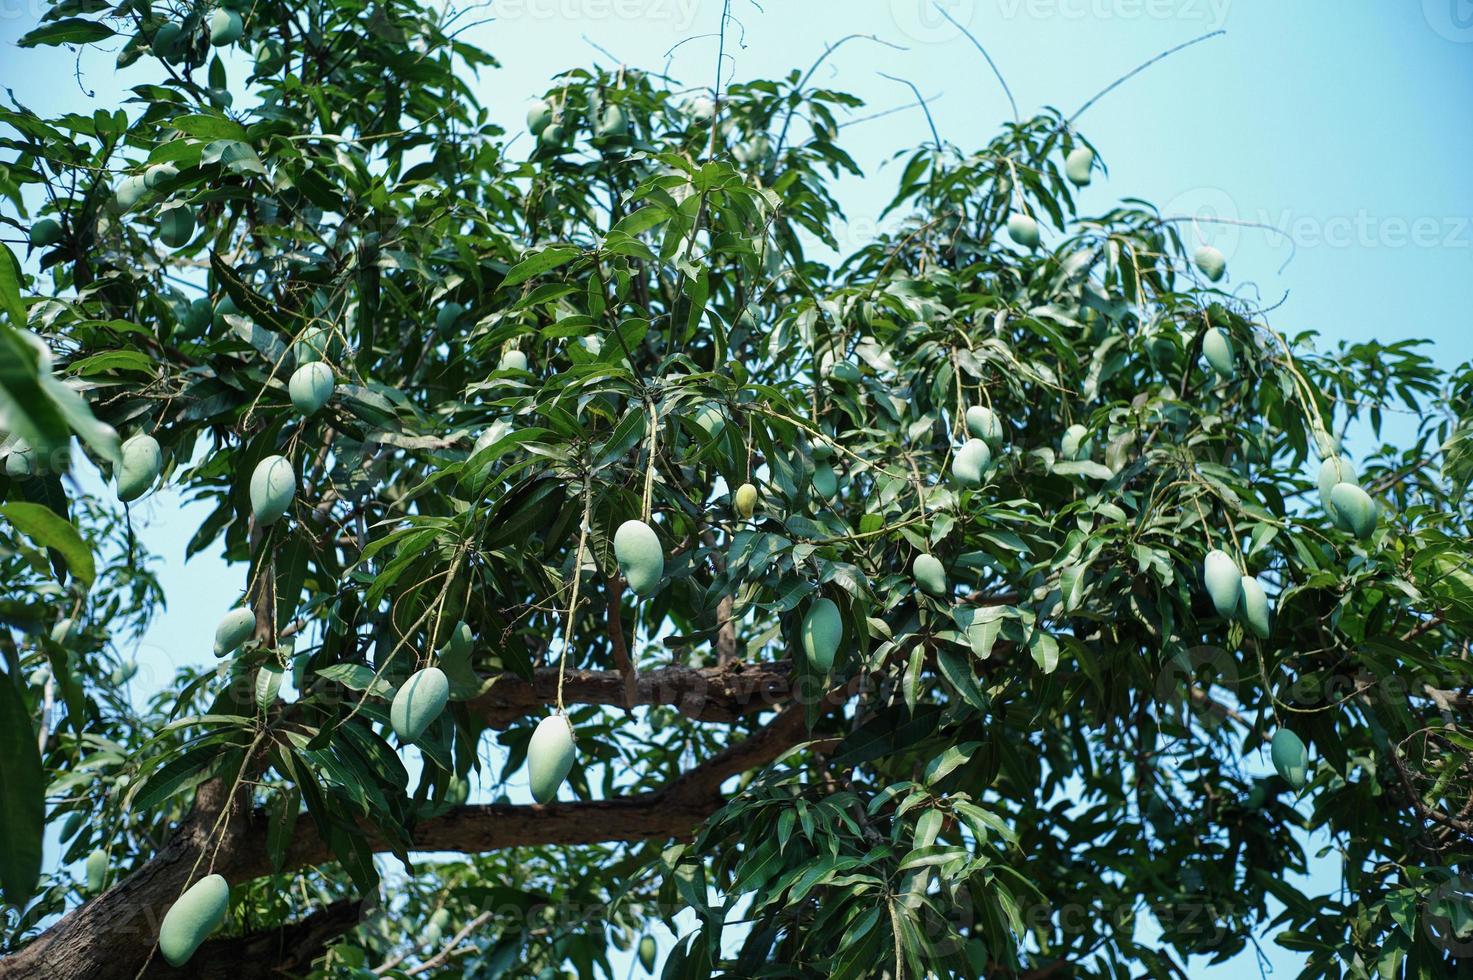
(719, 694)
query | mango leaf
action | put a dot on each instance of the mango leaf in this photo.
(54, 533)
(22, 797)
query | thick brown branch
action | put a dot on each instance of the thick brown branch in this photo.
(285, 951)
(719, 694)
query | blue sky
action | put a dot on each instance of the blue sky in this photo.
(1343, 124)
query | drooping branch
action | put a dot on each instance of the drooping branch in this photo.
(718, 694)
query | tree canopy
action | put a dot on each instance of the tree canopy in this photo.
(995, 587)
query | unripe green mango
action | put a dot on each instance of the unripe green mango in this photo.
(273, 486)
(822, 630)
(1255, 608)
(1219, 353)
(435, 928)
(1023, 230)
(176, 225)
(1075, 444)
(448, 316)
(744, 501)
(142, 459)
(1290, 758)
(128, 192)
(825, 480)
(612, 125)
(1211, 262)
(310, 387)
(971, 463)
(1355, 509)
(1078, 164)
(929, 574)
(158, 173)
(167, 41)
(1223, 580)
(20, 460)
(845, 371)
(418, 702)
(647, 953)
(314, 344)
(513, 360)
(45, 232)
(235, 628)
(821, 450)
(539, 117)
(96, 870)
(123, 673)
(983, 423)
(641, 559)
(226, 27)
(192, 919)
(1335, 469)
(549, 757)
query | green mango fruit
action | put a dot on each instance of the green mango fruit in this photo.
(167, 41)
(1334, 470)
(1211, 262)
(539, 117)
(20, 460)
(612, 125)
(435, 928)
(273, 487)
(825, 480)
(1075, 444)
(549, 757)
(971, 462)
(128, 191)
(822, 450)
(142, 460)
(1290, 758)
(822, 630)
(235, 628)
(641, 559)
(513, 360)
(845, 371)
(176, 225)
(1219, 353)
(1255, 608)
(1223, 580)
(983, 423)
(744, 501)
(123, 673)
(1356, 510)
(929, 574)
(1078, 164)
(313, 344)
(96, 870)
(418, 702)
(448, 316)
(158, 174)
(192, 919)
(226, 27)
(647, 953)
(310, 387)
(1023, 230)
(45, 233)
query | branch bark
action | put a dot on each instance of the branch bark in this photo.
(112, 936)
(718, 694)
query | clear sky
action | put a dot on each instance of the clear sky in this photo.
(1345, 124)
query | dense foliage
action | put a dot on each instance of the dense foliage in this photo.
(1038, 728)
